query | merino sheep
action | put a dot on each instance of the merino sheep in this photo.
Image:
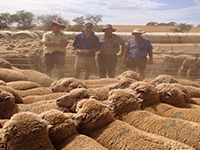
(95, 83)
(123, 83)
(130, 74)
(36, 98)
(70, 100)
(67, 84)
(2, 82)
(5, 64)
(8, 107)
(25, 131)
(164, 79)
(95, 120)
(18, 98)
(125, 108)
(63, 132)
(151, 102)
(34, 91)
(23, 85)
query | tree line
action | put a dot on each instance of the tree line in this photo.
(25, 20)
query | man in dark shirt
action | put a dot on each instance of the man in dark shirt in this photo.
(86, 44)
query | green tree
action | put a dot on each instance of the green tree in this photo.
(5, 20)
(80, 21)
(94, 19)
(46, 20)
(23, 19)
(182, 27)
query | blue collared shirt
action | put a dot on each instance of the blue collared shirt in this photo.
(138, 49)
(82, 42)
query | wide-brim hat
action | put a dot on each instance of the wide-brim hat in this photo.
(58, 23)
(138, 31)
(108, 26)
(89, 24)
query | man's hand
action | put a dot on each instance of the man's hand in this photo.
(150, 61)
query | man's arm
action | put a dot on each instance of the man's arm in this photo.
(150, 61)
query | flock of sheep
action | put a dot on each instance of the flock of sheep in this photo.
(41, 113)
(125, 113)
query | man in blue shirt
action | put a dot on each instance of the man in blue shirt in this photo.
(86, 44)
(136, 52)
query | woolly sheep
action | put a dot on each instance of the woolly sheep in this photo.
(95, 120)
(8, 106)
(26, 130)
(67, 84)
(63, 132)
(150, 102)
(95, 83)
(125, 108)
(23, 85)
(34, 91)
(36, 98)
(18, 98)
(130, 74)
(2, 82)
(145, 92)
(123, 83)
(70, 100)
(5, 64)
(164, 79)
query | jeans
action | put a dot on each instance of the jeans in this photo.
(107, 63)
(57, 58)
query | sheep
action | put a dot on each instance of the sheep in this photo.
(125, 107)
(9, 75)
(34, 91)
(38, 77)
(37, 98)
(26, 130)
(70, 100)
(18, 98)
(67, 84)
(23, 85)
(95, 120)
(123, 83)
(164, 79)
(5, 64)
(63, 132)
(8, 107)
(2, 82)
(151, 102)
(130, 74)
(95, 83)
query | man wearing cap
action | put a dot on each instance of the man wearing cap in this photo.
(109, 51)
(55, 43)
(85, 44)
(136, 52)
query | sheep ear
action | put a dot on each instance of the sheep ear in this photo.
(142, 90)
(169, 94)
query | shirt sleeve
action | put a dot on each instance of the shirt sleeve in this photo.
(150, 47)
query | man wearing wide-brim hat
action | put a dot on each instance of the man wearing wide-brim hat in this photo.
(111, 47)
(55, 43)
(136, 52)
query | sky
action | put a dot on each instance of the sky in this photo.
(115, 12)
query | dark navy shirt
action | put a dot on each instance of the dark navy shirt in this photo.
(82, 42)
(138, 49)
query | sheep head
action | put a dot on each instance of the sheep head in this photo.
(26, 130)
(164, 79)
(92, 114)
(130, 74)
(70, 100)
(146, 92)
(122, 101)
(123, 83)
(7, 101)
(61, 126)
(170, 94)
(67, 84)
